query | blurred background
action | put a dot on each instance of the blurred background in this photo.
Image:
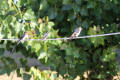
(95, 58)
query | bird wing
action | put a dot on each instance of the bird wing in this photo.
(45, 36)
(73, 35)
(21, 38)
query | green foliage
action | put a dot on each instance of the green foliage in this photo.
(96, 40)
(43, 75)
(95, 55)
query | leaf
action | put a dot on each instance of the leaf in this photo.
(42, 55)
(76, 8)
(53, 76)
(42, 25)
(96, 40)
(4, 4)
(47, 19)
(33, 24)
(1, 51)
(91, 4)
(18, 3)
(85, 24)
(71, 16)
(11, 12)
(43, 5)
(67, 1)
(45, 47)
(109, 55)
(83, 12)
(52, 13)
(10, 19)
(35, 45)
(18, 27)
(50, 25)
(66, 7)
(29, 15)
(78, 1)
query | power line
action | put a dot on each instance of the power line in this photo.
(98, 35)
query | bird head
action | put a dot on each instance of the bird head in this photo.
(79, 28)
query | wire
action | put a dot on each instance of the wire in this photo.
(99, 35)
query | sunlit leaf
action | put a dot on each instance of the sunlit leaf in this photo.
(29, 15)
(53, 76)
(50, 25)
(42, 55)
(3, 4)
(43, 4)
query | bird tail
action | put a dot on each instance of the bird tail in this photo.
(13, 50)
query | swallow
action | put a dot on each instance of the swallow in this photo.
(45, 36)
(21, 38)
(76, 33)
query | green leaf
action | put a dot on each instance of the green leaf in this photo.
(71, 16)
(83, 12)
(67, 1)
(1, 51)
(4, 4)
(53, 76)
(76, 8)
(18, 3)
(45, 47)
(66, 7)
(33, 24)
(109, 55)
(91, 4)
(52, 13)
(78, 1)
(43, 5)
(18, 27)
(96, 40)
(35, 45)
(42, 55)
(85, 24)
(29, 15)
(50, 25)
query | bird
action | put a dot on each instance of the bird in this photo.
(76, 33)
(45, 35)
(22, 37)
(25, 34)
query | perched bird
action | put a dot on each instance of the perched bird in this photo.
(76, 33)
(45, 35)
(21, 38)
